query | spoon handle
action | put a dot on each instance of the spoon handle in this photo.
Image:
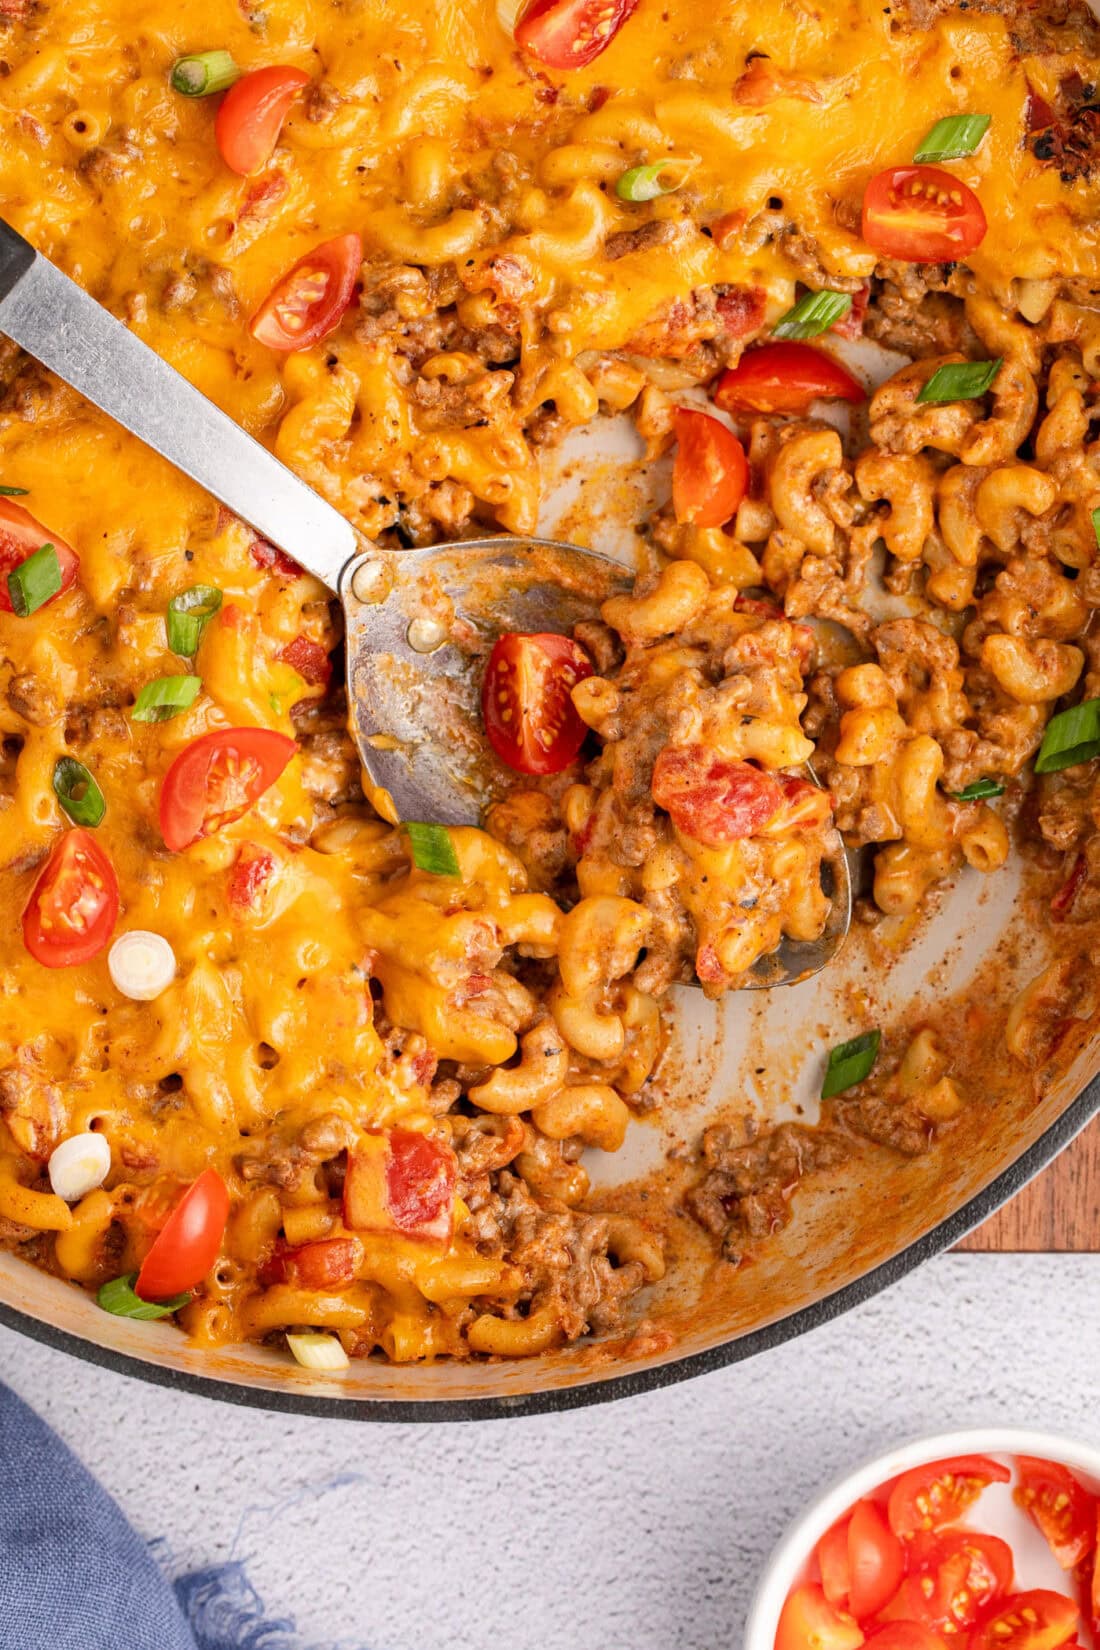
(54, 320)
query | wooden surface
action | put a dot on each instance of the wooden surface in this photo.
(1059, 1210)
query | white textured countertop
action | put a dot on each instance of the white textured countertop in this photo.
(638, 1525)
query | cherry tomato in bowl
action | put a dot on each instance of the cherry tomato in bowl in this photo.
(1061, 1508)
(710, 474)
(784, 378)
(20, 536)
(251, 115)
(73, 906)
(1035, 1620)
(187, 1245)
(920, 214)
(809, 1622)
(568, 34)
(935, 1495)
(309, 301)
(217, 778)
(530, 719)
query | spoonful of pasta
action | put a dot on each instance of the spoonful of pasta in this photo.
(476, 671)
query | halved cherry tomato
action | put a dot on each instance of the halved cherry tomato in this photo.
(876, 1561)
(328, 1263)
(710, 473)
(251, 116)
(921, 215)
(310, 660)
(1038, 1620)
(20, 536)
(1062, 1508)
(833, 1562)
(530, 719)
(784, 378)
(308, 302)
(932, 1496)
(1091, 1579)
(567, 34)
(71, 913)
(710, 799)
(249, 879)
(954, 1579)
(217, 778)
(187, 1246)
(402, 1182)
(809, 1622)
(905, 1635)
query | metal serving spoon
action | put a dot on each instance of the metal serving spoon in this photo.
(420, 623)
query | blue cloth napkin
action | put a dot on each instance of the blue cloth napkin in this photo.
(74, 1575)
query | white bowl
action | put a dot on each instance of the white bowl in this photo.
(994, 1511)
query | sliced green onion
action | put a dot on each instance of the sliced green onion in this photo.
(314, 1351)
(14, 492)
(204, 73)
(1096, 526)
(960, 380)
(34, 581)
(118, 1297)
(979, 790)
(1072, 737)
(813, 314)
(159, 701)
(189, 613)
(849, 1063)
(77, 792)
(433, 850)
(954, 137)
(645, 183)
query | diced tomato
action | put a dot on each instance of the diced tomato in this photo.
(20, 536)
(921, 214)
(1062, 1508)
(530, 719)
(73, 907)
(710, 799)
(568, 34)
(1062, 903)
(308, 302)
(217, 778)
(187, 1246)
(310, 660)
(1038, 1620)
(741, 309)
(932, 1496)
(266, 555)
(833, 1563)
(809, 1622)
(764, 81)
(876, 1561)
(329, 1263)
(249, 879)
(954, 1579)
(804, 807)
(401, 1182)
(251, 116)
(785, 378)
(710, 473)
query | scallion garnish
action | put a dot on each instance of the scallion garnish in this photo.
(159, 701)
(814, 313)
(1072, 737)
(979, 790)
(960, 380)
(432, 849)
(118, 1297)
(14, 492)
(645, 183)
(849, 1063)
(77, 792)
(34, 581)
(953, 137)
(189, 613)
(1096, 526)
(202, 73)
